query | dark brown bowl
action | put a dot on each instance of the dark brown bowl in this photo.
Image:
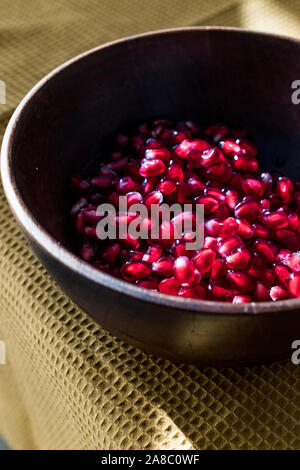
(61, 126)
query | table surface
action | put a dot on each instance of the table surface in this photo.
(68, 383)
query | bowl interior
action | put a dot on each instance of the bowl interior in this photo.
(208, 75)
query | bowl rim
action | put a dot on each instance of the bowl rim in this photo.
(34, 230)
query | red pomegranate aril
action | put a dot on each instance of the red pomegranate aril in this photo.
(153, 253)
(212, 227)
(130, 242)
(152, 168)
(88, 251)
(241, 299)
(82, 202)
(218, 292)
(248, 147)
(285, 189)
(118, 164)
(260, 231)
(240, 280)
(244, 228)
(169, 286)
(211, 156)
(110, 253)
(210, 242)
(135, 270)
(158, 154)
(253, 187)
(184, 271)
(167, 186)
(288, 239)
(282, 255)
(265, 204)
(238, 259)
(230, 147)
(102, 182)
(217, 132)
(153, 198)
(282, 273)
(227, 245)
(274, 220)
(195, 185)
(126, 184)
(189, 292)
(186, 146)
(293, 222)
(262, 274)
(148, 283)
(133, 198)
(232, 198)
(278, 293)
(292, 261)
(247, 209)
(245, 164)
(210, 203)
(216, 193)
(204, 260)
(218, 270)
(163, 266)
(228, 228)
(175, 172)
(266, 249)
(261, 292)
(294, 284)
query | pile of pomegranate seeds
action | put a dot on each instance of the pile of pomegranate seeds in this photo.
(251, 250)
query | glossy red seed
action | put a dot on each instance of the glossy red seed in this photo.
(135, 270)
(110, 253)
(230, 147)
(288, 239)
(210, 242)
(102, 182)
(133, 198)
(278, 293)
(216, 193)
(152, 168)
(186, 146)
(238, 259)
(204, 260)
(153, 253)
(160, 154)
(227, 245)
(282, 273)
(240, 280)
(153, 198)
(241, 299)
(244, 228)
(285, 189)
(292, 261)
(195, 185)
(274, 220)
(211, 156)
(252, 187)
(293, 222)
(184, 271)
(228, 228)
(210, 203)
(262, 274)
(261, 292)
(118, 164)
(294, 284)
(163, 266)
(266, 249)
(232, 198)
(245, 164)
(167, 186)
(169, 286)
(175, 172)
(125, 185)
(247, 209)
(218, 292)
(218, 270)
(88, 251)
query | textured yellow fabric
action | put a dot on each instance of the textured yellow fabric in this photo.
(68, 383)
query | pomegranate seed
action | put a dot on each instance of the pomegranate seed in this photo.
(212, 227)
(88, 251)
(169, 286)
(262, 274)
(154, 252)
(247, 209)
(232, 198)
(102, 182)
(260, 231)
(285, 189)
(244, 229)
(218, 292)
(238, 259)
(210, 203)
(167, 186)
(204, 260)
(266, 249)
(175, 172)
(253, 187)
(217, 132)
(292, 261)
(135, 270)
(288, 239)
(293, 222)
(245, 164)
(186, 146)
(248, 147)
(274, 220)
(228, 228)
(240, 280)
(230, 148)
(261, 292)
(195, 185)
(133, 198)
(153, 198)
(163, 266)
(118, 164)
(211, 157)
(241, 299)
(210, 242)
(152, 168)
(265, 204)
(184, 271)
(126, 185)
(227, 245)
(218, 270)
(110, 253)
(278, 293)
(282, 273)
(190, 293)
(158, 154)
(294, 284)
(216, 193)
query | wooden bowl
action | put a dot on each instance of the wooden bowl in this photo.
(61, 127)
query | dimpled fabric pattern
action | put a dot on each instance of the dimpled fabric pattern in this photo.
(67, 383)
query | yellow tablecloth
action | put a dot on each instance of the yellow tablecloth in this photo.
(68, 383)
